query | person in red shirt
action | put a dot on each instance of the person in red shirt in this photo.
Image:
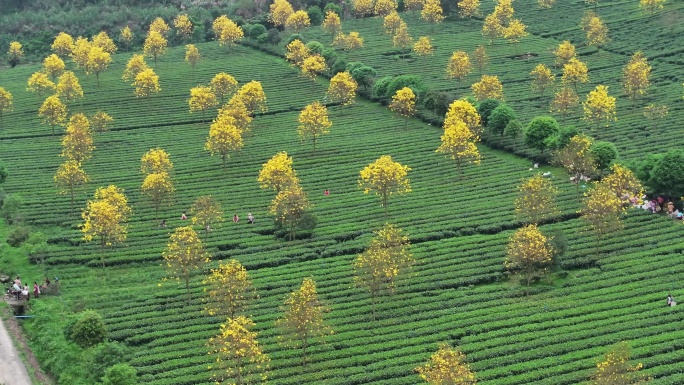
(236, 218)
(326, 192)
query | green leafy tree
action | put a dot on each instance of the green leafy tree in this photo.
(538, 130)
(499, 119)
(89, 330)
(120, 374)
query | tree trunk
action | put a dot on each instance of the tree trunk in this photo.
(223, 159)
(304, 345)
(187, 286)
(97, 76)
(71, 191)
(238, 371)
(314, 144)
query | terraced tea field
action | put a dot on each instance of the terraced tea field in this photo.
(458, 291)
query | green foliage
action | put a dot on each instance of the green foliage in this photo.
(486, 108)
(604, 154)
(330, 56)
(363, 75)
(411, 81)
(315, 15)
(273, 36)
(644, 168)
(18, 236)
(120, 374)
(11, 209)
(293, 37)
(539, 130)
(315, 46)
(100, 357)
(88, 330)
(499, 119)
(437, 102)
(333, 7)
(667, 173)
(556, 142)
(514, 129)
(303, 229)
(257, 30)
(3, 173)
(340, 65)
(380, 86)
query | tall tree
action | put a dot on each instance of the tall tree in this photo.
(342, 88)
(601, 210)
(134, 66)
(98, 61)
(53, 66)
(651, 6)
(313, 66)
(385, 177)
(458, 143)
(624, 183)
(363, 8)
(296, 52)
(79, 53)
(184, 254)
(100, 121)
(192, 56)
(599, 106)
(105, 218)
(229, 290)
(564, 53)
(597, 32)
(53, 112)
(459, 66)
(529, 253)
(447, 366)
(298, 21)
(103, 41)
(205, 212)
(542, 78)
(224, 137)
(5, 102)
(126, 36)
(404, 104)
(302, 318)
(253, 96)
(332, 24)
(183, 26)
(462, 110)
(236, 110)
(348, 42)
(40, 84)
(401, 38)
(146, 83)
(423, 46)
(223, 85)
(469, 8)
(514, 31)
(277, 173)
(69, 175)
(313, 122)
(227, 31)
(156, 160)
(391, 22)
(489, 87)
(615, 368)
(77, 144)
(238, 356)
(68, 87)
(575, 71)
(655, 113)
(387, 257)
(564, 101)
(15, 53)
(481, 58)
(577, 159)
(159, 187)
(280, 11)
(536, 200)
(432, 12)
(385, 7)
(636, 76)
(546, 4)
(289, 206)
(159, 26)
(155, 45)
(201, 99)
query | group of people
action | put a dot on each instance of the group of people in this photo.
(23, 292)
(658, 205)
(250, 218)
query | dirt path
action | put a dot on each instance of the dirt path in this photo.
(13, 370)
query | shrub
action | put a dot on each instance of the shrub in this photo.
(333, 7)
(340, 65)
(120, 374)
(18, 236)
(293, 37)
(104, 355)
(485, 108)
(315, 15)
(667, 175)
(330, 56)
(89, 330)
(273, 36)
(401, 81)
(499, 119)
(364, 75)
(11, 209)
(380, 86)
(256, 30)
(262, 39)
(3, 173)
(513, 129)
(604, 154)
(539, 129)
(315, 46)
(437, 102)
(562, 139)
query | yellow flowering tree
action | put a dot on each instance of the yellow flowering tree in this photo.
(459, 66)
(227, 32)
(183, 26)
(458, 143)
(481, 58)
(636, 76)
(447, 366)
(146, 83)
(201, 99)
(126, 36)
(546, 4)
(155, 45)
(79, 53)
(53, 66)
(332, 24)
(100, 121)
(514, 31)
(564, 53)
(68, 87)
(135, 65)
(651, 6)
(384, 7)
(491, 28)
(535, 202)
(280, 11)
(5, 102)
(432, 12)
(53, 111)
(98, 61)
(302, 318)
(224, 137)
(238, 356)
(469, 8)
(564, 101)
(77, 144)
(542, 78)
(348, 42)
(313, 66)
(159, 188)
(489, 87)
(40, 84)
(69, 175)
(575, 71)
(223, 85)
(391, 22)
(277, 173)
(206, 211)
(462, 110)
(192, 56)
(102, 40)
(423, 46)
(599, 106)
(298, 21)
(15, 53)
(253, 96)
(236, 110)
(577, 159)
(387, 257)
(313, 122)
(624, 183)
(63, 45)
(183, 254)
(159, 25)
(229, 290)
(401, 37)
(597, 32)
(655, 113)
(156, 160)
(615, 368)
(385, 177)
(601, 210)
(363, 8)
(528, 253)
(296, 52)
(105, 218)
(342, 89)
(404, 104)
(413, 5)
(289, 207)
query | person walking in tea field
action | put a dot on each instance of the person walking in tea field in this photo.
(163, 223)
(670, 300)
(183, 216)
(250, 218)
(36, 290)
(326, 192)
(236, 219)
